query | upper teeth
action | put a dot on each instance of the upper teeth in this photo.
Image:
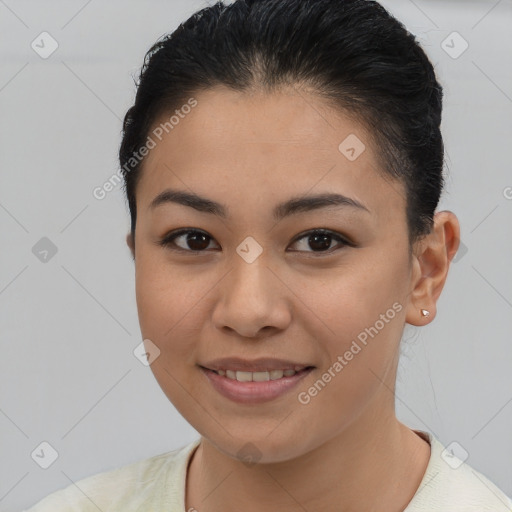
(257, 376)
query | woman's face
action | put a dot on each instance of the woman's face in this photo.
(259, 284)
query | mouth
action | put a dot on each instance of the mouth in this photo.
(260, 376)
(254, 387)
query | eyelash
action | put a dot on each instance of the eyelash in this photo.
(168, 240)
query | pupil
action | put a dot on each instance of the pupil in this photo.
(199, 246)
(323, 244)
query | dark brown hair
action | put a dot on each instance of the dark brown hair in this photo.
(353, 53)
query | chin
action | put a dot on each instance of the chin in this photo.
(253, 448)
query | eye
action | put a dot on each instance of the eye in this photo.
(195, 241)
(320, 240)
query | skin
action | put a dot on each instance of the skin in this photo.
(345, 450)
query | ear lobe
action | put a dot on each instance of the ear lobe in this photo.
(431, 262)
(131, 244)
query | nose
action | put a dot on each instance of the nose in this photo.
(252, 300)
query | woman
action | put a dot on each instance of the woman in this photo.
(283, 165)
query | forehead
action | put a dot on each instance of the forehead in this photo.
(245, 144)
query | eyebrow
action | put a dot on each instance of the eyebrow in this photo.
(291, 207)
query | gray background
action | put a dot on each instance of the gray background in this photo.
(69, 326)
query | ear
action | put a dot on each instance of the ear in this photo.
(131, 244)
(431, 261)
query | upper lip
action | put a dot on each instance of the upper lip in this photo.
(254, 365)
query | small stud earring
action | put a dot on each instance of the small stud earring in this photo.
(424, 312)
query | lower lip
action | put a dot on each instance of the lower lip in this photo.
(253, 392)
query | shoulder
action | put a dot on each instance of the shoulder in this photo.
(450, 484)
(156, 480)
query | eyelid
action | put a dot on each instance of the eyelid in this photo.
(168, 240)
(325, 231)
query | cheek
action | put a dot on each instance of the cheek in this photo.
(362, 312)
(169, 310)
(354, 296)
(365, 317)
(166, 301)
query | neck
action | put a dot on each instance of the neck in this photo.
(362, 468)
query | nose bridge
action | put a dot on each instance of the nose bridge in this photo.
(249, 283)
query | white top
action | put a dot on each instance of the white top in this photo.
(157, 484)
